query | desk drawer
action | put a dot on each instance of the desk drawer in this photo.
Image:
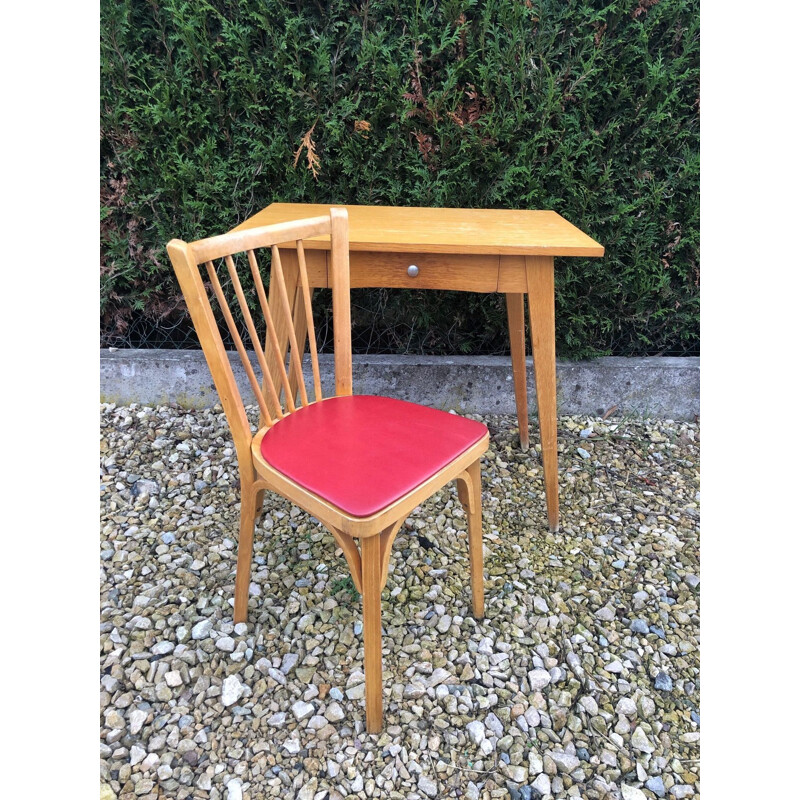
(466, 273)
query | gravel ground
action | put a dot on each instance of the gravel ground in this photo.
(581, 681)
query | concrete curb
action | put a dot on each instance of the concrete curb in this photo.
(661, 387)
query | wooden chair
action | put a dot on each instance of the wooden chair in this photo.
(358, 464)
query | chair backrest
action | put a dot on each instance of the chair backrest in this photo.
(265, 329)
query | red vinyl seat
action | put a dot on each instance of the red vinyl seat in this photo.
(362, 453)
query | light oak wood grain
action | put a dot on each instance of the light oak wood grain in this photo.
(250, 237)
(467, 273)
(287, 316)
(373, 661)
(444, 230)
(278, 329)
(543, 344)
(469, 493)
(340, 284)
(481, 250)
(515, 306)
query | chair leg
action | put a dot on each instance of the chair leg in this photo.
(259, 503)
(245, 554)
(371, 575)
(471, 500)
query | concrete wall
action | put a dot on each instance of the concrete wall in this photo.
(649, 387)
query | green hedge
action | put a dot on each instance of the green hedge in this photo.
(590, 109)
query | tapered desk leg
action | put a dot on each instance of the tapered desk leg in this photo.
(515, 306)
(541, 307)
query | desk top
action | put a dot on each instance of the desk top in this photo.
(443, 230)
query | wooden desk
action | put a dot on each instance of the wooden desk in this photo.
(472, 250)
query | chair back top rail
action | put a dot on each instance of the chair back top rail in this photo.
(266, 236)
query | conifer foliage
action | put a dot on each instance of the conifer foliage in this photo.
(212, 110)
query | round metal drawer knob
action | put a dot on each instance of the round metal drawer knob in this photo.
(413, 271)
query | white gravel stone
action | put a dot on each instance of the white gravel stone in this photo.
(234, 789)
(476, 731)
(443, 625)
(149, 761)
(565, 762)
(589, 705)
(647, 707)
(494, 724)
(515, 773)
(606, 613)
(289, 662)
(202, 630)
(292, 746)
(427, 786)
(356, 692)
(626, 707)
(173, 679)
(137, 720)
(540, 605)
(317, 722)
(232, 690)
(538, 679)
(574, 663)
(632, 793)
(277, 676)
(308, 790)
(412, 691)
(438, 676)
(302, 710)
(639, 741)
(137, 754)
(305, 622)
(542, 784)
(334, 712)
(532, 717)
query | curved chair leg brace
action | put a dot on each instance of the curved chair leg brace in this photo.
(387, 540)
(351, 553)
